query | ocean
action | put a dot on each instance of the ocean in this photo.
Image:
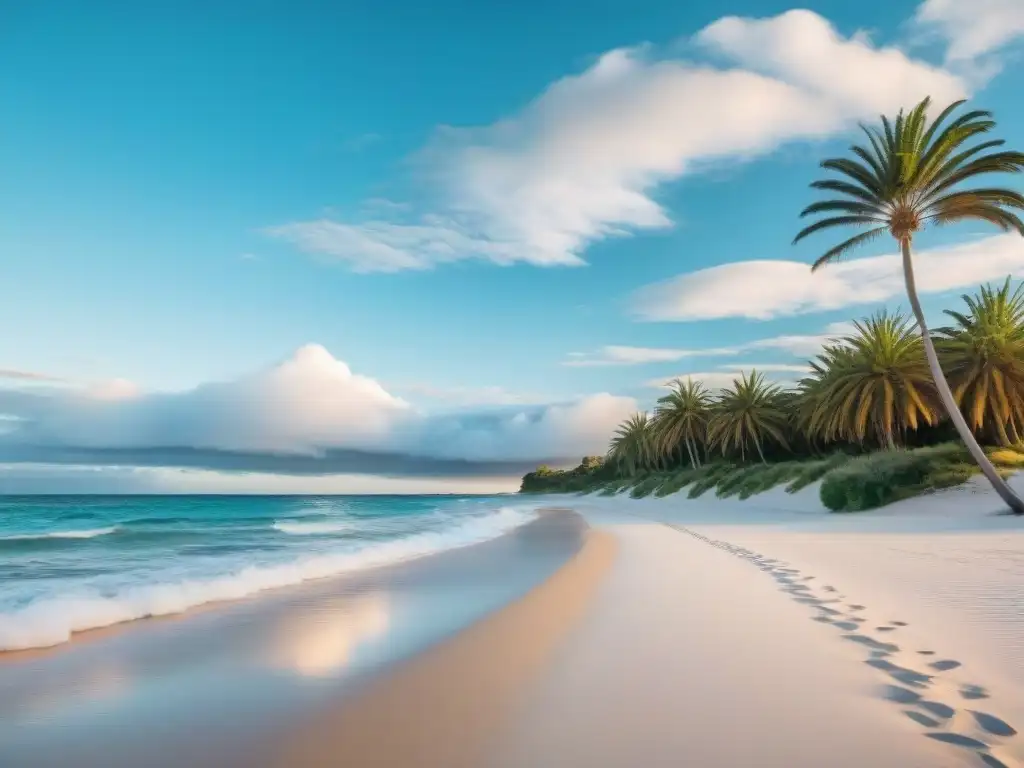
(70, 563)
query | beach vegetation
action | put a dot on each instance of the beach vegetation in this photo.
(908, 176)
(747, 417)
(681, 421)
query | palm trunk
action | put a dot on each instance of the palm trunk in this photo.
(694, 454)
(689, 451)
(760, 453)
(1005, 493)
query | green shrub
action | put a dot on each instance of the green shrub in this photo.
(648, 485)
(768, 478)
(709, 477)
(877, 479)
(729, 483)
(677, 481)
(812, 471)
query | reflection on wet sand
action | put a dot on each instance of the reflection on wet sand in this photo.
(323, 643)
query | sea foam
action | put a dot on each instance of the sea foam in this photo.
(89, 533)
(51, 620)
(311, 528)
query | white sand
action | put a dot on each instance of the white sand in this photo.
(695, 654)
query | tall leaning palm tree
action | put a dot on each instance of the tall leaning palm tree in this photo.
(983, 355)
(910, 176)
(681, 420)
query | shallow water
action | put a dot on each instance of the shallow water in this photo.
(72, 563)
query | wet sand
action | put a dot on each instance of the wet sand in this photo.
(445, 708)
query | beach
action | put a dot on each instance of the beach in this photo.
(699, 632)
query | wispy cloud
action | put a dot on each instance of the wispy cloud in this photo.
(765, 289)
(583, 161)
(613, 355)
(801, 345)
(725, 375)
(17, 375)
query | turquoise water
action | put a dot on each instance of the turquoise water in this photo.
(71, 563)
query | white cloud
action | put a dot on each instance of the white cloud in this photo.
(802, 345)
(614, 355)
(381, 246)
(307, 407)
(469, 396)
(767, 289)
(724, 377)
(583, 161)
(973, 28)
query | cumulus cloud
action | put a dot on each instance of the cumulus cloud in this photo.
(308, 415)
(974, 28)
(583, 161)
(767, 289)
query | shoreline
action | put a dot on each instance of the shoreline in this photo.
(271, 592)
(277, 660)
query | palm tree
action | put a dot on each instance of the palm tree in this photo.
(681, 419)
(815, 419)
(751, 412)
(910, 178)
(874, 384)
(632, 446)
(983, 355)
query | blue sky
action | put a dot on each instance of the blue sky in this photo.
(463, 202)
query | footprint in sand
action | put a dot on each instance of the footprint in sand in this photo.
(958, 739)
(938, 709)
(870, 642)
(900, 674)
(992, 761)
(992, 724)
(920, 719)
(973, 692)
(880, 653)
(900, 695)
